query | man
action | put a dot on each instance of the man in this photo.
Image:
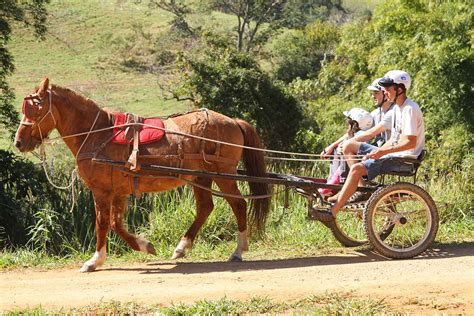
(383, 106)
(407, 140)
(380, 132)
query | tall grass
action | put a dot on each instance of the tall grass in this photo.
(164, 217)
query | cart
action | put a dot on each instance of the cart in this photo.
(400, 220)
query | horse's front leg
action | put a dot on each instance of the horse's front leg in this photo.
(117, 211)
(102, 204)
(204, 207)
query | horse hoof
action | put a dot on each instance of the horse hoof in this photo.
(178, 255)
(150, 249)
(87, 268)
(235, 258)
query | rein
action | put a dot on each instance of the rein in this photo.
(53, 140)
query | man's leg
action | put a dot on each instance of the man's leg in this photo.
(350, 148)
(350, 186)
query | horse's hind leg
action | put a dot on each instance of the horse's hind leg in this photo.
(102, 204)
(239, 207)
(204, 206)
(119, 205)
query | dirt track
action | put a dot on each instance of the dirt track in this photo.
(442, 281)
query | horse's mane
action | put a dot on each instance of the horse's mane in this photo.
(75, 97)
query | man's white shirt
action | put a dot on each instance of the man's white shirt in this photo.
(407, 120)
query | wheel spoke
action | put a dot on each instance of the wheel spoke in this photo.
(401, 220)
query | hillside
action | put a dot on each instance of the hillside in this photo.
(75, 52)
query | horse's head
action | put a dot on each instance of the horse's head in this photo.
(38, 119)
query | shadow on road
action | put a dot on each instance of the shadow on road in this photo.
(438, 251)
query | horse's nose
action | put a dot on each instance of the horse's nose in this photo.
(18, 144)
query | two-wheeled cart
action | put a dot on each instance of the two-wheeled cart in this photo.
(400, 220)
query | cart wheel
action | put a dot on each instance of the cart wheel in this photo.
(401, 220)
(348, 228)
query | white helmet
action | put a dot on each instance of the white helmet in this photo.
(396, 77)
(374, 86)
(361, 116)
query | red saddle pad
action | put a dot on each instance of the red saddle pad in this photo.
(148, 134)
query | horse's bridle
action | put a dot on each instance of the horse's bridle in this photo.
(37, 103)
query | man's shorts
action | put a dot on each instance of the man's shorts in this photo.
(376, 167)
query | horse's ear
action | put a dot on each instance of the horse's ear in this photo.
(43, 87)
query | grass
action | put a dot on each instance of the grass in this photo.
(76, 50)
(327, 304)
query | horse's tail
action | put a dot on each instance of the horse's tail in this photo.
(254, 162)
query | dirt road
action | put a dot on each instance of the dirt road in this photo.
(442, 280)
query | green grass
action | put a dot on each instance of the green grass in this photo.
(76, 50)
(328, 304)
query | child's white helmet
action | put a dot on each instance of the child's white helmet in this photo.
(361, 116)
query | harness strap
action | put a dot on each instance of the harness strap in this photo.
(136, 120)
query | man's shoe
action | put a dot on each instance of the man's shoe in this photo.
(322, 215)
(359, 197)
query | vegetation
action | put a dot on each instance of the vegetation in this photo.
(316, 305)
(30, 13)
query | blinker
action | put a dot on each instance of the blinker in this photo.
(31, 109)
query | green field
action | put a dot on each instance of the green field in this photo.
(81, 39)
(75, 54)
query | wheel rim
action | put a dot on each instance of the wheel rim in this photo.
(350, 223)
(408, 218)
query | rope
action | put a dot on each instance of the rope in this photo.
(353, 157)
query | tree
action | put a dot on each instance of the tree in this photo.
(232, 83)
(179, 9)
(253, 14)
(32, 13)
(302, 53)
(431, 40)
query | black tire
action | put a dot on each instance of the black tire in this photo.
(348, 228)
(401, 220)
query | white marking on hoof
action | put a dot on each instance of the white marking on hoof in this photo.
(180, 250)
(96, 261)
(87, 268)
(145, 246)
(242, 245)
(177, 254)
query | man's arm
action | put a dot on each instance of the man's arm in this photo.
(406, 142)
(329, 149)
(370, 133)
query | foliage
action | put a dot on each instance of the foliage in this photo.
(302, 53)
(232, 83)
(257, 20)
(430, 40)
(31, 13)
(22, 188)
(179, 9)
(299, 13)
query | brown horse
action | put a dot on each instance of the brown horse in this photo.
(55, 107)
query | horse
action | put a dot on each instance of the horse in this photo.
(87, 130)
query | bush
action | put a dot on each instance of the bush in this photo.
(232, 83)
(430, 40)
(23, 188)
(302, 53)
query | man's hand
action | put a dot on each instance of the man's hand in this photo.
(376, 154)
(325, 154)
